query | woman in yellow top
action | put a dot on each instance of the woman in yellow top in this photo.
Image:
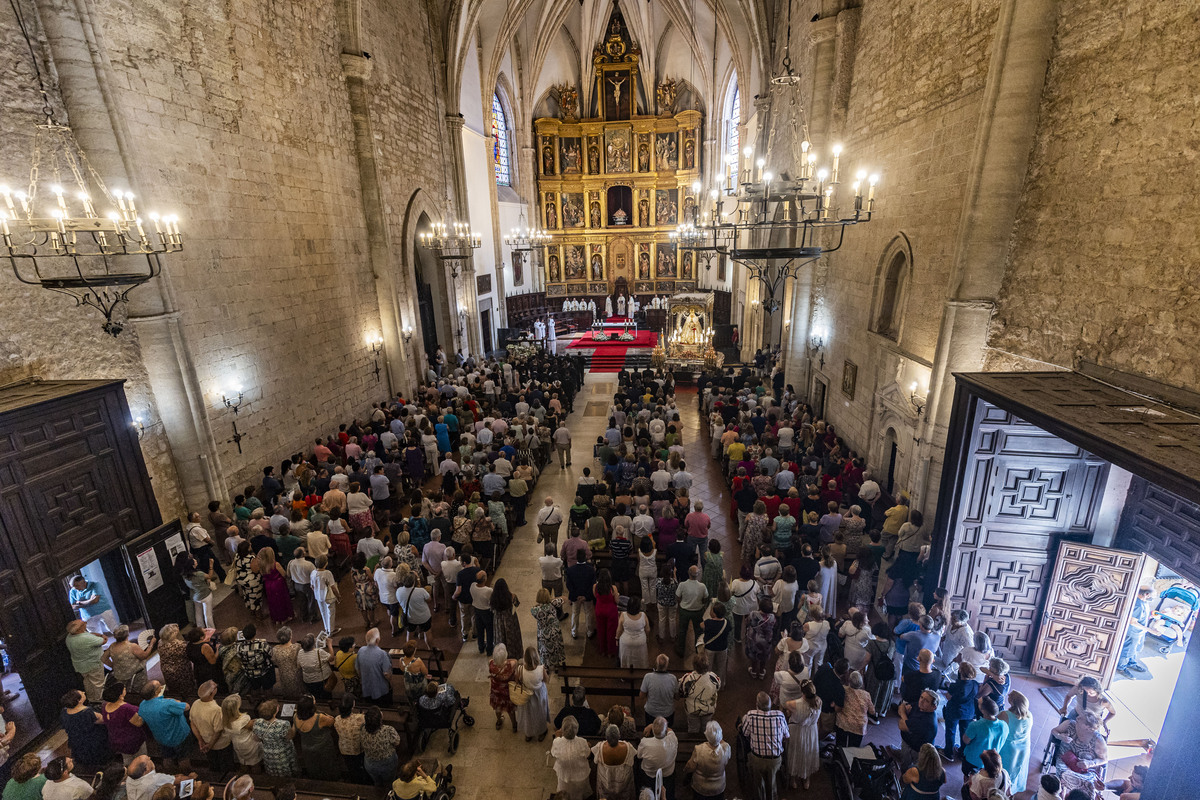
(412, 781)
(345, 661)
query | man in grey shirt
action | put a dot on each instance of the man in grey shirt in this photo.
(693, 599)
(659, 690)
(381, 489)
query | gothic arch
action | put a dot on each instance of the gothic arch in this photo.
(419, 212)
(893, 279)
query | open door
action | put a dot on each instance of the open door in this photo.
(1087, 611)
(150, 560)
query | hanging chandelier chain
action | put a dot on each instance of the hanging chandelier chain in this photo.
(33, 59)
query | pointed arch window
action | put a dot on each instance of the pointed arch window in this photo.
(501, 156)
(732, 138)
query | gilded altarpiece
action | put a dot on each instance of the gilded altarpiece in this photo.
(613, 186)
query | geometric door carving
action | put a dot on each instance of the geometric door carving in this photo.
(1024, 491)
(1087, 611)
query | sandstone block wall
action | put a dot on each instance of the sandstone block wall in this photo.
(239, 116)
(1103, 259)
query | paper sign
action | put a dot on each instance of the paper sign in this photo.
(148, 564)
(175, 546)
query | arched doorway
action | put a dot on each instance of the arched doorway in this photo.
(431, 283)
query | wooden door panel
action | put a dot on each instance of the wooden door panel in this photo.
(1005, 592)
(1087, 610)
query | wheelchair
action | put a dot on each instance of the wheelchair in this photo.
(864, 779)
(446, 718)
(445, 786)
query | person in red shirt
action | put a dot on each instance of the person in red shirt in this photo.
(772, 502)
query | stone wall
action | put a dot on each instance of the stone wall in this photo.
(912, 115)
(1103, 257)
(238, 118)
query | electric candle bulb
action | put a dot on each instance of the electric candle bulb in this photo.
(837, 153)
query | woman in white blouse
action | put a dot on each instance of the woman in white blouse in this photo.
(571, 761)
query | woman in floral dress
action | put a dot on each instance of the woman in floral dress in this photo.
(501, 670)
(173, 661)
(864, 572)
(760, 631)
(249, 582)
(549, 630)
(284, 656)
(366, 592)
(755, 533)
(279, 754)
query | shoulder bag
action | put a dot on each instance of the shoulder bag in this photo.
(517, 692)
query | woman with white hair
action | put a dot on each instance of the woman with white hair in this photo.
(614, 766)
(501, 670)
(707, 764)
(571, 761)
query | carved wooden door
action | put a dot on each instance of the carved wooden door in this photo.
(1087, 611)
(1025, 491)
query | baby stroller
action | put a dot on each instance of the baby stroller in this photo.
(445, 718)
(1174, 616)
(864, 778)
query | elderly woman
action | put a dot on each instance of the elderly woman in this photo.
(996, 683)
(173, 661)
(853, 713)
(500, 671)
(1085, 751)
(614, 766)
(127, 661)
(571, 761)
(957, 638)
(283, 655)
(707, 764)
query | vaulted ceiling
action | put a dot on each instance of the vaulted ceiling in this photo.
(528, 46)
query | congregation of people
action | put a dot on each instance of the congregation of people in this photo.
(411, 511)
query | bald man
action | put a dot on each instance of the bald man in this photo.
(549, 519)
(87, 648)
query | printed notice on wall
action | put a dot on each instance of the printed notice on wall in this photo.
(148, 564)
(175, 546)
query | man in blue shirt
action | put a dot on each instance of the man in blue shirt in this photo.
(168, 722)
(921, 639)
(93, 607)
(375, 670)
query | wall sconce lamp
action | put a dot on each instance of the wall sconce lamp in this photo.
(235, 389)
(816, 345)
(141, 422)
(407, 334)
(918, 401)
(462, 322)
(375, 342)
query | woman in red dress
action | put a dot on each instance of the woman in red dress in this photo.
(501, 670)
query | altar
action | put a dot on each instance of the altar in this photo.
(689, 334)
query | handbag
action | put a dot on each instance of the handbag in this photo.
(517, 692)
(231, 576)
(700, 639)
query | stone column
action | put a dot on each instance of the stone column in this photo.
(464, 296)
(821, 35)
(798, 311)
(1007, 129)
(401, 373)
(95, 116)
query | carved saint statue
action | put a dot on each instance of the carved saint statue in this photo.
(617, 90)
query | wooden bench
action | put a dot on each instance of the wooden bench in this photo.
(600, 680)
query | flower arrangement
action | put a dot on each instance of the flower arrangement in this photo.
(626, 337)
(601, 337)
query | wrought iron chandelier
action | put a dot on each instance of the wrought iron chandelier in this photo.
(774, 224)
(452, 243)
(522, 238)
(69, 247)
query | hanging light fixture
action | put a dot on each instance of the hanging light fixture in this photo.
(454, 242)
(776, 223)
(522, 238)
(54, 236)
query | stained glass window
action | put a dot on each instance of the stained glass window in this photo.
(500, 154)
(732, 144)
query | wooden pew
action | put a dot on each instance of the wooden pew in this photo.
(609, 681)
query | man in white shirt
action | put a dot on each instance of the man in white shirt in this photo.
(548, 520)
(451, 566)
(657, 750)
(300, 571)
(660, 481)
(562, 443)
(485, 435)
(642, 525)
(371, 547)
(233, 538)
(61, 784)
(522, 407)
(142, 779)
(504, 467)
(552, 571)
(340, 479)
(386, 581)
